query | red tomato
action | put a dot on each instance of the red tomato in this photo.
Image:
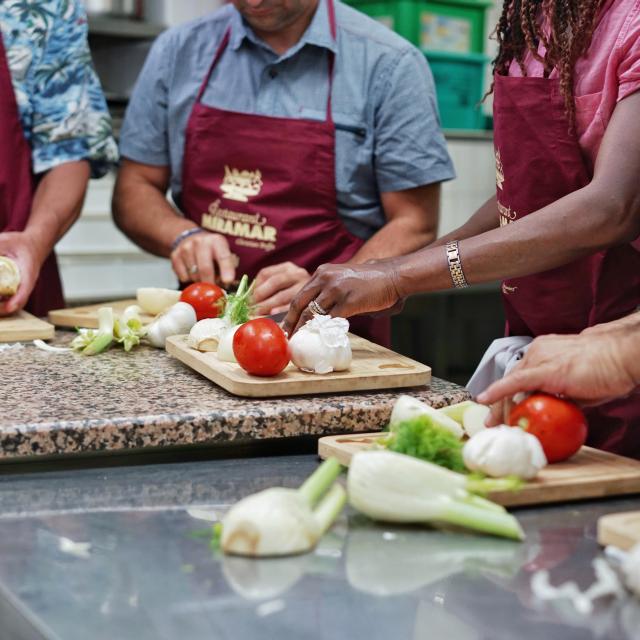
(559, 425)
(207, 299)
(261, 347)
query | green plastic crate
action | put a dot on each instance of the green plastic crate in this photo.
(459, 81)
(454, 26)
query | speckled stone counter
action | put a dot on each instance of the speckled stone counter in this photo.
(63, 404)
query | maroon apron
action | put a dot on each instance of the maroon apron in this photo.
(268, 185)
(538, 161)
(17, 185)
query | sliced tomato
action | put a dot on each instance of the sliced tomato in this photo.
(559, 424)
(206, 298)
(261, 347)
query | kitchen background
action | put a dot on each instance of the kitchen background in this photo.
(449, 331)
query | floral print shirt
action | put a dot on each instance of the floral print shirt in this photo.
(62, 108)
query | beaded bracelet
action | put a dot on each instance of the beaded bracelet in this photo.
(184, 235)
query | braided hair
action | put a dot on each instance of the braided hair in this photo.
(570, 24)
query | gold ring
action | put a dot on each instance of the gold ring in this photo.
(316, 309)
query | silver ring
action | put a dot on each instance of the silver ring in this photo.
(193, 269)
(316, 309)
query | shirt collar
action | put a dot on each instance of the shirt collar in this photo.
(318, 33)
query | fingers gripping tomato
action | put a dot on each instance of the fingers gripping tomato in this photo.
(206, 298)
(261, 347)
(559, 424)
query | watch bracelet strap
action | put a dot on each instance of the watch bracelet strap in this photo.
(184, 235)
(455, 265)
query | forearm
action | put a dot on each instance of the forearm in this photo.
(483, 220)
(57, 203)
(397, 238)
(142, 212)
(575, 226)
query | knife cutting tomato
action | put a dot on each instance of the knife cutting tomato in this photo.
(559, 424)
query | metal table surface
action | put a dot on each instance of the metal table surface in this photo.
(114, 554)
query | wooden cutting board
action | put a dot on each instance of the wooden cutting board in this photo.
(621, 530)
(24, 326)
(87, 317)
(373, 367)
(588, 474)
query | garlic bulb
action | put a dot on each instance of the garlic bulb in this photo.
(225, 345)
(176, 320)
(504, 451)
(9, 277)
(205, 335)
(322, 345)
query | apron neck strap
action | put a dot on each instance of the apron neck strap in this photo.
(227, 37)
(221, 49)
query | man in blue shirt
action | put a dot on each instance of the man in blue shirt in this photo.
(277, 61)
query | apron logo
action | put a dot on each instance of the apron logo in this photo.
(499, 171)
(508, 290)
(241, 185)
(248, 229)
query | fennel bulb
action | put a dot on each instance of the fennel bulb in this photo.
(153, 300)
(176, 320)
(225, 345)
(504, 451)
(407, 407)
(281, 522)
(393, 487)
(322, 345)
(473, 419)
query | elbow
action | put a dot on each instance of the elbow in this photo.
(117, 207)
(618, 221)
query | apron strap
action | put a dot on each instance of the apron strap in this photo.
(221, 49)
(227, 37)
(333, 25)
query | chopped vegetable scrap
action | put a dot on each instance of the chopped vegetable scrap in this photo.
(421, 437)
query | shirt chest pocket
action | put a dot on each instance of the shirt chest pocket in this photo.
(354, 158)
(353, 152)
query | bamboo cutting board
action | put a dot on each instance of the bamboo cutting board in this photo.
(24, 326)
(621, 530)
(373, 367)
(87, 317)
(589, 474)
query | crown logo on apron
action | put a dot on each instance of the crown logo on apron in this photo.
(241, 185)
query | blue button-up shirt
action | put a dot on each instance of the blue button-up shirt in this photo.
(388, 134)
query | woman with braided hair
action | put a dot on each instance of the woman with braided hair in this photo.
(563, 230)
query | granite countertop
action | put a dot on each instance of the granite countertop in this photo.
(54, 404)
(123, 553)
